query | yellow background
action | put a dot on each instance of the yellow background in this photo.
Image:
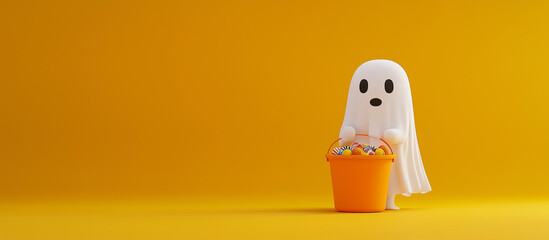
(231, 105)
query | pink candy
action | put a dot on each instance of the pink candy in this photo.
(355, 145)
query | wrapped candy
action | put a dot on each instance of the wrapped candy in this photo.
(356, 145)
(369, 147)
(342, 149)
(385, 149)
(346, 152)
(379, 151)
(357, 151)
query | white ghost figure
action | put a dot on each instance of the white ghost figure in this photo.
(380, 105)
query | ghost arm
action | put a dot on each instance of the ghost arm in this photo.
(393, 136)
(347, 135)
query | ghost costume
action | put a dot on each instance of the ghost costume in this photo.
(380, 104)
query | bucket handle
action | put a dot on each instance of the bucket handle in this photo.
(365, 135)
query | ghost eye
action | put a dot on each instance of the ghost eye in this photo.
(389, 86)
(363, 86)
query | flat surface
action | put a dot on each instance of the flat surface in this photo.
(284, 219)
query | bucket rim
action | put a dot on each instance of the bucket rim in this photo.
(359, 157)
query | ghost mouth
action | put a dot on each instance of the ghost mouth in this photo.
(375, 102)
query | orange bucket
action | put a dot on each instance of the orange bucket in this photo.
(360, 182)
